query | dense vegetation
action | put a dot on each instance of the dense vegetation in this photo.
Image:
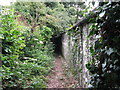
(105, 66)
(27, 51)
(102, 42)
(25, 58)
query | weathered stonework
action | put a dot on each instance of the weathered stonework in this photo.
(76, 53)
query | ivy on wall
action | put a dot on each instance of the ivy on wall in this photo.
(104, 32)
(106, 51)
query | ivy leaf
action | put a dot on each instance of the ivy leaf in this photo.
(110, 51)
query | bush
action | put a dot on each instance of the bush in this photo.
(26, 58)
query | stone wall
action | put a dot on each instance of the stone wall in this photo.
(76, 53)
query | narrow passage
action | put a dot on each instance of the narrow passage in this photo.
(57, 78)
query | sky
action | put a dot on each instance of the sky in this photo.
(6, 2)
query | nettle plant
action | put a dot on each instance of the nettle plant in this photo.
(105, 66)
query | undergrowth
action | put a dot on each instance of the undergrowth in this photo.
(26, 57)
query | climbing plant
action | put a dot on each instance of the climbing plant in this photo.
(102, 40)
(105, 65)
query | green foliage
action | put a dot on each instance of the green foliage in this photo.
(27, 57)
(38, 42)
(104, 63)
(27, 51)
(51, 14)
(12, 40)
(106, 51)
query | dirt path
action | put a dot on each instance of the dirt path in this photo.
(58, 79)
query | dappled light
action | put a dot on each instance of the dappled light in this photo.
(60, 45)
